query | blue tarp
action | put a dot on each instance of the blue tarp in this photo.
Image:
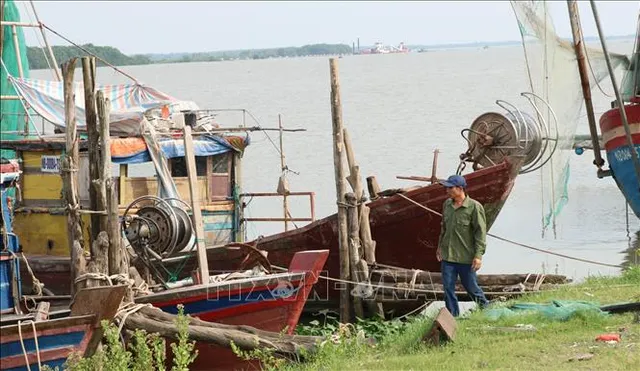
(206, 145)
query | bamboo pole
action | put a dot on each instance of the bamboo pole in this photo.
(1, 27)
(54, 63)
(203, 264)
(16, 46)
(338, 144)
(97, 191)
(70, 175)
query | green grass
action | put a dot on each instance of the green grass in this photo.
(484, 344)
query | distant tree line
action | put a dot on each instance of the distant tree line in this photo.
(38, 59)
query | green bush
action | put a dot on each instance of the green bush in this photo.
(146, 351)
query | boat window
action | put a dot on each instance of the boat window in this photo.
(179, 166)
(221, 163)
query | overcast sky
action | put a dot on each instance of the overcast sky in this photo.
(165, 26)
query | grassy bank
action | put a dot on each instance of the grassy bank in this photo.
(483, 343)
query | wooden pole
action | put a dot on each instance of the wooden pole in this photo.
(285, 206)
(70, 175)
(434, 167)
(374, 188)
(360, 241)
(113, 225)
(354, 247)
(578, 44)
(97, 191)
(338, 144)
(203, 264)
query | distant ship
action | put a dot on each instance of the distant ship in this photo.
(380, 48)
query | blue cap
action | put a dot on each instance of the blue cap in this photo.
(455, 181)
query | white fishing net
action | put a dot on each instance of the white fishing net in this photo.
(554, 76)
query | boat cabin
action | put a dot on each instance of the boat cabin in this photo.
(39, 210)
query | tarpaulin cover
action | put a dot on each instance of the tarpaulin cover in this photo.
(129, 102)
(134, 150)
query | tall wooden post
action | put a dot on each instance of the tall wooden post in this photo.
(69, 167)
(578, 44)
(113, 225)
(203, 263)
(285, 205)
(97, 192)
(338, 149)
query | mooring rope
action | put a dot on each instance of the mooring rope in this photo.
(518, 243)
(35, 340)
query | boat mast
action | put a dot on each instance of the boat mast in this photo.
(578, 43)
(623, 113)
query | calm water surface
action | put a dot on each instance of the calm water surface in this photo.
(398, 109)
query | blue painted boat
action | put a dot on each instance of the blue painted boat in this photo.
(25, 342)
(614, 136)
(619, 152)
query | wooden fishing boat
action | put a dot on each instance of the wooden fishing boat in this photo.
(271, 302)
(405, 232)
(30, 340)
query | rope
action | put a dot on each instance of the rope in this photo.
(520, 244)
(35, 339)
(37, 285)
(128, 309)
(91, 54)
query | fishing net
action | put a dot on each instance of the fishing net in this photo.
(12, 113)
(630, 87)
(554, 77)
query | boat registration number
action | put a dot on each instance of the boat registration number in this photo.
(50, 164)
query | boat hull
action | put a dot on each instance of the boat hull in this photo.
(271, 303)
(406, 235)
(56, 339)
(619, 153)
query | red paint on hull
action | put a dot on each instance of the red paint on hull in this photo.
(406, 235)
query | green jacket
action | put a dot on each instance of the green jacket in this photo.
(463, 236)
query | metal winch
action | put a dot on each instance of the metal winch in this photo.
(494, 136)
(157, 228)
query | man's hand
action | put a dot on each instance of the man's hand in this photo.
(438, 254)
(476, 264)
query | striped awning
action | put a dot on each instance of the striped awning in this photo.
(129, 102)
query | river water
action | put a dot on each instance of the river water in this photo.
(398, 108)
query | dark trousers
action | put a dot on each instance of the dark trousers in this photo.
(450, 273)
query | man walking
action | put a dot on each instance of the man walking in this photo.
(462, 243)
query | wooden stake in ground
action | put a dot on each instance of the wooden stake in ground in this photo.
(338, 149)
(69, 169)
(360, 240)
